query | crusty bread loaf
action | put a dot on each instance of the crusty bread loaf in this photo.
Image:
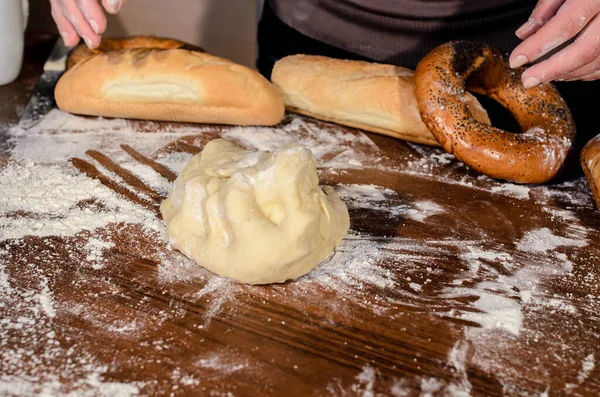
(82, 51)
(374, 97)
(590, 162)
(170, 85)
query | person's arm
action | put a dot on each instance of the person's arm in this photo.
(552, 24)
(82, 18)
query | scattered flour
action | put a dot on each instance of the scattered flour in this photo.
(475, 257)
(46, 301)
(57, 120)
(588, 365)
(365, 193)
(175, 161)
(333, 149)
(377, 198)
(495, 312)
(442, 158)
(55, 201)
(423, 210)
(32, 334)
(95, 250)
(148, 176)
(543, 240)
(517, 191)
(401, 389)
(174, 267)
(500, 301)
(363, 385)
(365, 382)
(220, 363)
(358, 261)
(221, 293)
(371, 197)
(457, 358)
(116, 389)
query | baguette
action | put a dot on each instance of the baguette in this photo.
(169, 85)
(370, 96)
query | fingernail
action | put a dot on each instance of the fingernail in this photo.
(94, 26)
(87, 40)
(531, 82)
(65, 38)
(525, 27)
(518, 61)
(114, 5)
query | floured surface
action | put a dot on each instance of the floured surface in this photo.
(449, 283)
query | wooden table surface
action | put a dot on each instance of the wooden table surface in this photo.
(449, 283)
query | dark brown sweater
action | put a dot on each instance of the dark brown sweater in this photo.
(403, 31)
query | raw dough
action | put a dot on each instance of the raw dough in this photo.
(256, 217)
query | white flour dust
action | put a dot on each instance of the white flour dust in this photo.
(588, 365)
(333, 149)
(57, 120)
(220, 363)
(517, 191)
(445, 168)
(377, 198)
(57, 201)
(366, 382)
(543, 240)
(363, 386)
(32, 335)
(95, 251)
(46, 301)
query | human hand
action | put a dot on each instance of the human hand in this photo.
(82, 18)
(552, 24)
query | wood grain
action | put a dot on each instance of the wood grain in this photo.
(161, 169)
(92, 172)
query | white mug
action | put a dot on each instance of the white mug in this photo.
(13, 20)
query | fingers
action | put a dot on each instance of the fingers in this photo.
(582, 73)
(65, 28)
(543, 11)
(569, 20)
(80, 18)
(591, 76)
(583, 54)
(92, 11)
(113, 6)
(75, 16)
(587, 73)
(584, 76)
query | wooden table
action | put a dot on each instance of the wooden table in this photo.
(449, 283)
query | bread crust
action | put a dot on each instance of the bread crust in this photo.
(424, 139)
(169, 85)
(590, 162)
(374, 97)
(82, 51)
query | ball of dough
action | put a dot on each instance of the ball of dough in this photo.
(256, 217)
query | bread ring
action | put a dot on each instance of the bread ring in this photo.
(534, 156)
(82, 52)
(590, 161)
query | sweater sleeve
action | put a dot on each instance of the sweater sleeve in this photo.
(403, 31)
